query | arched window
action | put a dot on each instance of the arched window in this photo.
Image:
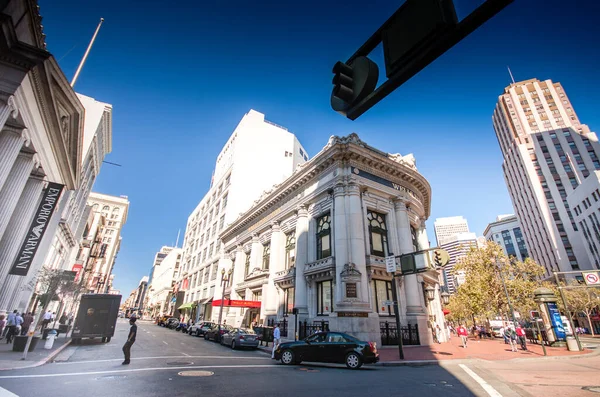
(266, 256)
(324, 236)
(377, 233)
(105, 208)
(290, 250)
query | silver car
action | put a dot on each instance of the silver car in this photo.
(239, 337)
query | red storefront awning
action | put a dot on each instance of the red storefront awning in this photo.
(237, 303)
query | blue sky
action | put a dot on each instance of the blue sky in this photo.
(181, 78)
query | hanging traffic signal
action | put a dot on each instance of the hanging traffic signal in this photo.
(437, 258)
(352, 83)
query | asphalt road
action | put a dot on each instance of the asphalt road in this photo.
(161, 358)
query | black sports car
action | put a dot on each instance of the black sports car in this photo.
(329, 347)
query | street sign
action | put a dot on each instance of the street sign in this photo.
(387, 303)
(390, 264)
(591, 278)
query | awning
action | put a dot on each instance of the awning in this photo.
(237, 303)
(188, 305)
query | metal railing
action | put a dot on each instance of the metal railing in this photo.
(389, 334)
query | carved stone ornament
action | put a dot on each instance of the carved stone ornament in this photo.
(12, 107)
(350, 271)
(408, 160)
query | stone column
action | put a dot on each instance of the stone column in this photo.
(356, 239)
(422, 237)
(276, 264)
(256, 253)
(14, 237)
(301, 301)
(11, 142)
(10, 193)
(340, 236)
(415, 312)
(238, 270)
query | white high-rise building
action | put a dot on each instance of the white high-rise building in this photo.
(447, 228)
(258, 155)
(457, 246)
(161, 294)
(547, 154)
(506, 232)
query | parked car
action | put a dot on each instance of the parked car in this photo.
(239, 337)
(329, 347)
(200, 328)
(215, 332)
(172, 323)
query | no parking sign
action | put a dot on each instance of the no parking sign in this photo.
(591, 278)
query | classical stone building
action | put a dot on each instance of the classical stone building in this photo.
(317, 242)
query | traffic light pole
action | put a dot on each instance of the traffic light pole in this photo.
(397, 314)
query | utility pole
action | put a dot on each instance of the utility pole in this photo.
(87, 52)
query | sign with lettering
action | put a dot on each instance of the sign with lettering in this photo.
(36, 231)
(351, 290)
(353, 314)
(383, 181)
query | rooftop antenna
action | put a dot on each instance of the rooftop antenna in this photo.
(87, 52)
(511, 75)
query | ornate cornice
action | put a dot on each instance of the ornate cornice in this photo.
(341, 151)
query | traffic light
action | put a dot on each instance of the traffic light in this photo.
(352, 83)
(437, 258)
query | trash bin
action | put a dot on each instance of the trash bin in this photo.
(21, 341)
(572, 344)
(47, 330)
(50, 339)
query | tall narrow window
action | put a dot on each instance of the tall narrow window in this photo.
(324, 298)
(266, 256)
(290, 250)
(324, 236)
(289, 296)
(247, 264)
(377, 233)
(415, 241)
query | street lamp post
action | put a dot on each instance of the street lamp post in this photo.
(224, 282)
(512, 312)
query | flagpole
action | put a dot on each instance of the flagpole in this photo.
(87, 52)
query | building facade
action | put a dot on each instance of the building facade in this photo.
(447, 228)
(585, 201)
(547, 154)
(258, 155)
(317, 242)
(457, 246)
(107, 217)
(161, 290)
(41, 132)
(506, 232)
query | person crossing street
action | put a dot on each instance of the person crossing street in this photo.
(130, 341)
(276, 339)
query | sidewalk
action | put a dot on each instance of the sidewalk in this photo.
(12, 360)
(485, 349)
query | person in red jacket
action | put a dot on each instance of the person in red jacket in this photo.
(463, 333)
(521, 335)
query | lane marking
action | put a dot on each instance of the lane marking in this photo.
(486, 386)
(185, 354)
(140, 370)
(160, 357)
(6, 393)
(165, 343)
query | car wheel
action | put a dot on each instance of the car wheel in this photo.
(233, 346)
(353, 361)
(287, 357)
(197, 333)
(107, 339)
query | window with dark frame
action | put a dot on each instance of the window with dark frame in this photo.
(382, 291)
(324, 236)
(288, 300)
(377, 233)
(290, 250)
(247, 264)
(324, 298)
(266, 256)
(415, 241)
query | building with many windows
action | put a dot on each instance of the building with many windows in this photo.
(457, 246)
(585, 201)
(161, 291)
(506, 232)
(547, 154)
(317, 243)
(447, 228)
(258, 155)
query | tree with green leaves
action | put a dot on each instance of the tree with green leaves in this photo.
(582, 299)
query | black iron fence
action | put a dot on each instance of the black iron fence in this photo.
(389, 334)
(305, 329)
(533, 336)
(283, 326)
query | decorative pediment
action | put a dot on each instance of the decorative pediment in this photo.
(350, 271)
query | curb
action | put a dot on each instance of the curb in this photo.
(42, 361)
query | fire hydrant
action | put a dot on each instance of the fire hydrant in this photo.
(50, 340)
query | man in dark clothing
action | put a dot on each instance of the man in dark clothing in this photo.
(27, 320)
(130, 340)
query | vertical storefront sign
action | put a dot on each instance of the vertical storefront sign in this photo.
(36, 231)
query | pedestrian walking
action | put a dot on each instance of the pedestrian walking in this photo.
(464, 335)
(27, 320)
(504, 332)
(521, 335)
(18, 323)
(46, 319)
(512, 337)
(276, 339)
(11, 323)
(130, 341)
